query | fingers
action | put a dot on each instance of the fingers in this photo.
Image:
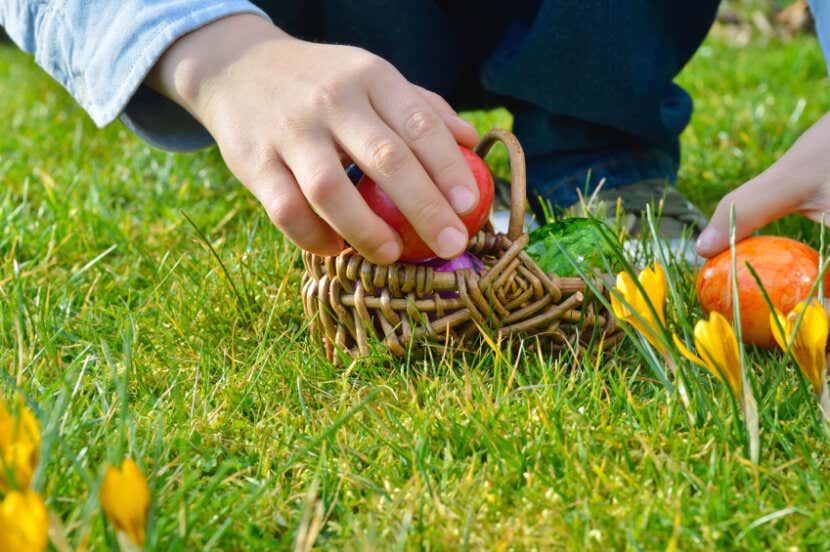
(288, 209)
(757, 203)
(794, 183)
(464, 133)
(423, 131)
(322, 179)
(347, 106)
(389, 161)
(715, 237)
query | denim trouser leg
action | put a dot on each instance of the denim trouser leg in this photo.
(592, 80)
(588, 81)
(416, 36)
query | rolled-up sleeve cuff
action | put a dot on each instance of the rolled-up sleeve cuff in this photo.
(159, 121)
(163, 123)
(819, 9)
(107, 80)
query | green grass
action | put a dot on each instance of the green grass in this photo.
(126, 337)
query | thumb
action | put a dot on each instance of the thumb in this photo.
(756, 203)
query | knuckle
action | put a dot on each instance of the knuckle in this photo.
(387, 156)
(436, 101)
(727, 201)
(366, 241)
(448, 171)
(322, 186)
(293, 125)
(258, 167)
(284, 205)
(420, 124)
(369, 64)
(283, 211)
(429, 213)
(264, 161)
(327, 96)
(241, 152)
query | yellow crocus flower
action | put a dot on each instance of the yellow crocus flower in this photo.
(631, 300)
(19, 447)
(125, 498)
(718, 348)
(810, 341)
(24, 522)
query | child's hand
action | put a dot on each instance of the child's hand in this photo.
(287, 115)
(799, 182)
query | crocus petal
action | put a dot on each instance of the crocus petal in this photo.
(627, 289)
(653, 280)
(17, 466)
(649, 334)
(718, 347)
(813, 331)
(808, 347)
(632, 306)
(125, 498)
(686, 352)
(625, 299)
(780, 339)
(24, 522)
(29, 428)
(19, 447)
(708, 350)
(731, 352)
(19, 426)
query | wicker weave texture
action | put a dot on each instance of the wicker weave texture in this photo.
(349, 299)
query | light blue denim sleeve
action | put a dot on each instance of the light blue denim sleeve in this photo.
(101, 51)
(821, 15)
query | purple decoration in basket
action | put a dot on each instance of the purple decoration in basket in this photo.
(465, 260)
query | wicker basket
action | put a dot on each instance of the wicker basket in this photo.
(349, 299)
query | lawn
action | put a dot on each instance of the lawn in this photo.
(128, 336)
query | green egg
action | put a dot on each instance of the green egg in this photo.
(590, 243)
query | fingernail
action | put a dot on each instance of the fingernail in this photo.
(708, 240)
(389, 252)
(462, 199)
(451, 242)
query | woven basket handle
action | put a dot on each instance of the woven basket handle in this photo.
(518, 176)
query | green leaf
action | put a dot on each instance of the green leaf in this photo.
(587, 240)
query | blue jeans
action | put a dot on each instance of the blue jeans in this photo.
(589, 82)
